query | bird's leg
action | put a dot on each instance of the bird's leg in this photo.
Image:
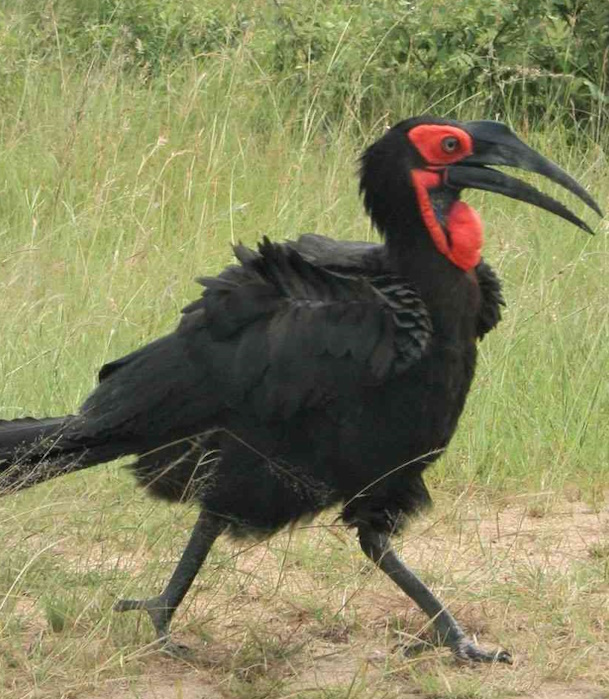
(162, 607)
(377, 547)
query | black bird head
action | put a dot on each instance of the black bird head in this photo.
(415, 173)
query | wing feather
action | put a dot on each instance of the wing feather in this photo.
(282, 333)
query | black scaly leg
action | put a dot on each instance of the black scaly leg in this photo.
(161, 608)
(378, 548)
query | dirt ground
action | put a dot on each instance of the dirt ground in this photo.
(304, 615)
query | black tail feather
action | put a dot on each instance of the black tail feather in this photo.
(33, 451)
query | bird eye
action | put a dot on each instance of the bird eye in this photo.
(450, 144)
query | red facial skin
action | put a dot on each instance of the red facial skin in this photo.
(463, 244)
(427, 139)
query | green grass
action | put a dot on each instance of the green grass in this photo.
(114, 195)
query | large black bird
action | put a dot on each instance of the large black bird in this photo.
(316, 372)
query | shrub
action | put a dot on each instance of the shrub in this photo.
(531, 57)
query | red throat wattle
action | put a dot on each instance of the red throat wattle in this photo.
(462, 241)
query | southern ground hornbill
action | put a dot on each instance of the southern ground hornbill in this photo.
(313, 373)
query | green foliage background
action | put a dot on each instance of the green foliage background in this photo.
(532, 57)
(138, 139)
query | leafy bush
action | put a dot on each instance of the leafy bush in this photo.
(521, 55)
(531, 57)
(146, 34)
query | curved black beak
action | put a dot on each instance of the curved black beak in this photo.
(495, 144)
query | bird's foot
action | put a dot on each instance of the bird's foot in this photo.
(175, 650)
(466, 649)
(160, 614)
(463, 649)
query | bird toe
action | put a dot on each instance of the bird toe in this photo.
(175, 650)
(468, 651)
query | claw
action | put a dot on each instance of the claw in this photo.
(467, 650)
(175, 650)
(463, 649)
(158, 611)
(160, 616)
